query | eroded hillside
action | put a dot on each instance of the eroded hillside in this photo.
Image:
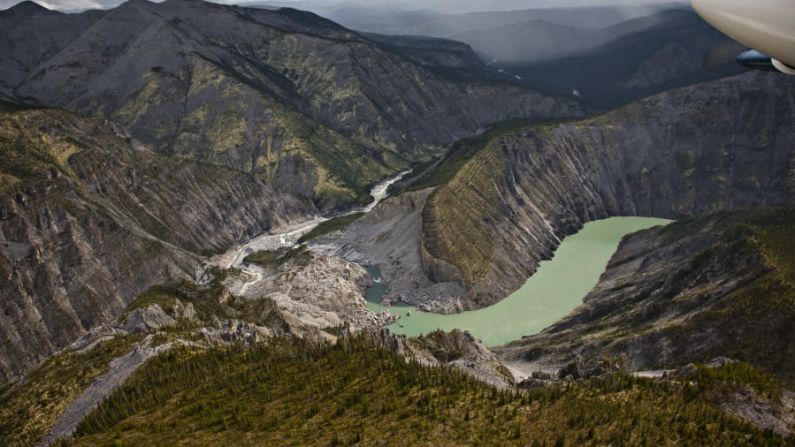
(90, 219)
(720, 145)
(312, 108)
(721, 284)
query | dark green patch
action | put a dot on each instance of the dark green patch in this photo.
(270, 259)
(330, 226)
(294, 392)
(737, 375)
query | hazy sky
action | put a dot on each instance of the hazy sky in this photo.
(447, 5)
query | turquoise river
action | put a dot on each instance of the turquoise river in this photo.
(553, 291)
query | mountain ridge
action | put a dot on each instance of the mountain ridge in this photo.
(531, 186)
(176, 72)
(90, 219)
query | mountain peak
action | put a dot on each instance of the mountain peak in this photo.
(181, 2)
(27, 8)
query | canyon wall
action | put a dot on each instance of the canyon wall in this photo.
(721, 145)
(89, 218)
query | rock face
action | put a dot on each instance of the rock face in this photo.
(389, 237)
(89, 219)
(767, 414)
(149, 319)
(315, 292)
(719, 285)
(458, 349)
(312, 108)
(721, 145)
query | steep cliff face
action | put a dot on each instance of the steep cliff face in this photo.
(716, 285)
(311, 107)
(89, 218)
(722, 145)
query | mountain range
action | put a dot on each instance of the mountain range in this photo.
(187, 254)
(269, 93)
(671, 49)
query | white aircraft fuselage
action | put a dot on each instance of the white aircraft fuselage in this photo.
(767, 26)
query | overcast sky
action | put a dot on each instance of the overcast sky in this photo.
(446, 5)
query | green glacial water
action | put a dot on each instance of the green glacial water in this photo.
(556, 289)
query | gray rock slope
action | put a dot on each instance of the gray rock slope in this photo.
(716, 285)
(209, 124)
(313, 108)
(88, 220)
(720, 145)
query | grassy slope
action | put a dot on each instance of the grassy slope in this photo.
(30, 408)
(463, 151)
(292, 393)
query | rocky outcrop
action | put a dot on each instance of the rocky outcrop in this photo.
(457, 349)
(721, 145)
(769, 408)
(768, 414)
(719, 285)
(234, 331)
(89, 218)
(148, 319)
(312, 292)
(389, 237)
(310, 107)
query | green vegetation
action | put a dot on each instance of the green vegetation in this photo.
(468, 203)
(23, 161)
(330, 226)
(441, 172)
(293, 392)
(270, 259)
(28, 409)
(206, 302)
(468, 184)
(735, 375)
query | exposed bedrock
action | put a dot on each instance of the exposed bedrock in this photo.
(720, 145)
(717, 285)
(389, 237)
(89, 219)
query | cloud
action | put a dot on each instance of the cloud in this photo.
(67, 5)
(448, 5)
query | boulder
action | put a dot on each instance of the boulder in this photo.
(148, 319)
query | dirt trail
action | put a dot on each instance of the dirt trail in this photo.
(120, 369)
